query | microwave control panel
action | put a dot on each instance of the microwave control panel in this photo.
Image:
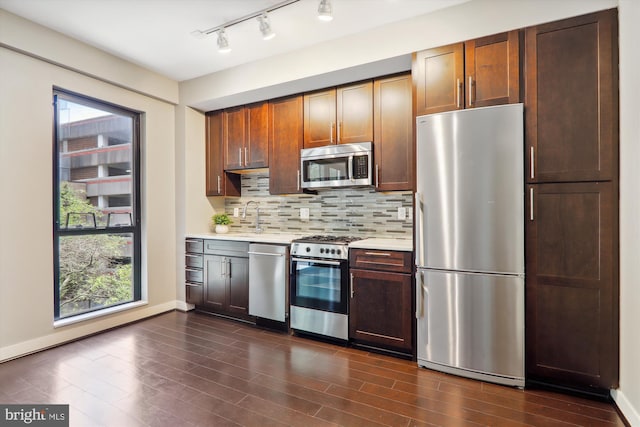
(360, 167)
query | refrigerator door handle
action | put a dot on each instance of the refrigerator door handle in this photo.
(420, 294)
(418, 230)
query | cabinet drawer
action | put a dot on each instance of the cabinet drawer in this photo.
(374, 259)
(227, 248)
(194, 294)
(193, 246)
(193, 261)
(193, 275)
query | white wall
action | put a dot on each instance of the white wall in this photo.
(26, 248)
(628, 396)
(352, 58)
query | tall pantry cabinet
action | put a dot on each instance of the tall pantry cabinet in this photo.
(571, 117)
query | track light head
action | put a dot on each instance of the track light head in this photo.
(265, 27)
(223, 41)
(325, 11)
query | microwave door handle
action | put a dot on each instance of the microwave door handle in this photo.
(351, 168)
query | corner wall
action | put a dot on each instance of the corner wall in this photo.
(26, 243)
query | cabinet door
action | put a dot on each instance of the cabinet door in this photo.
(319, 118)
(571, 99)
(256, 149)
(492, 67)
(572, 284)
(215, 282)
(234, 135)
(218, 183)
(354, 113)
(285, 142)
(393, 134)
(439, 79)
(238, 291)
(380, 309)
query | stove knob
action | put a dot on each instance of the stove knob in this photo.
(308, 249)
(333, 251)
(338, 252)
(321, 250)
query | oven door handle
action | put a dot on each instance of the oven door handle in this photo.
(316, 261)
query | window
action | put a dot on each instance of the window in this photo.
(96, 210)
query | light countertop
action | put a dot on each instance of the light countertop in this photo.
(248, 237)
(405, 245)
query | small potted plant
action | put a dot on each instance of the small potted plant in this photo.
(221, 222)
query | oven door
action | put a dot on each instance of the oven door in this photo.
(320, 284)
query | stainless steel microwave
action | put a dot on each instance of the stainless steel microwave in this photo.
(341, 165)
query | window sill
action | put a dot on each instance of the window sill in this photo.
(96, 314)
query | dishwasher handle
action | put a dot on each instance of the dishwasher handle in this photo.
(265, 254)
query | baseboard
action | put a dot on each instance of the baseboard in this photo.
(79, 330)
(183, 306)
(630, 413)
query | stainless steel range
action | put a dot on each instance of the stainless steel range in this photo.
(320, 285)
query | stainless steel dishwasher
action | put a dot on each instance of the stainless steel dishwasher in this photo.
(269, 281)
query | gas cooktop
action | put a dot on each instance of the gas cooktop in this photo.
(328, 239)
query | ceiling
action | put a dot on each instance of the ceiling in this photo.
(157, 34)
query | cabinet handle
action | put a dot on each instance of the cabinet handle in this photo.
(458, 83)
(351, 285)
(339, 133)
(240, 156)
(331, 132)
(532, 163)
(377, 253)
(298, 182)
(531, 204)
(245, 156)
(223, 267)
(219, 189)
(228, 268)
(377, 176)
(470, 91)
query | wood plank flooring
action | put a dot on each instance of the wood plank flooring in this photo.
(191, 369)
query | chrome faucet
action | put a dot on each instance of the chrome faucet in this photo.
(244, 214)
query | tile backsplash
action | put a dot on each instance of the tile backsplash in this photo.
(352, 211)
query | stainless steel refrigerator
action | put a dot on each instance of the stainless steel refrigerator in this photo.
(470, 243)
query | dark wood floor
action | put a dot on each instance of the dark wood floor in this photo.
(184, 369)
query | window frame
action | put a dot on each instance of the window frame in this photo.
(135, 228)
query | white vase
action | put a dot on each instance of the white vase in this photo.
(221, 229)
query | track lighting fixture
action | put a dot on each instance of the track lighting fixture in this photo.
(223, 41)
(325, 11)
(265, 27)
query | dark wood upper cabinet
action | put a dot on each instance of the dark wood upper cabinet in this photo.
(475, 73)
(285, 142)
(245, 136)
(319, 118)
(233, 136)
(439, 79)
(339, 115)
(492, 68)
(354, 113)
(218, 183)
(571, 90)
(256, 149)
(572, 285)
(393, 133)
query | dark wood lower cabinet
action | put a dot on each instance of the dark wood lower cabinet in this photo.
(381, 304)
(226, 285)
(572, 285)
(380, 311)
